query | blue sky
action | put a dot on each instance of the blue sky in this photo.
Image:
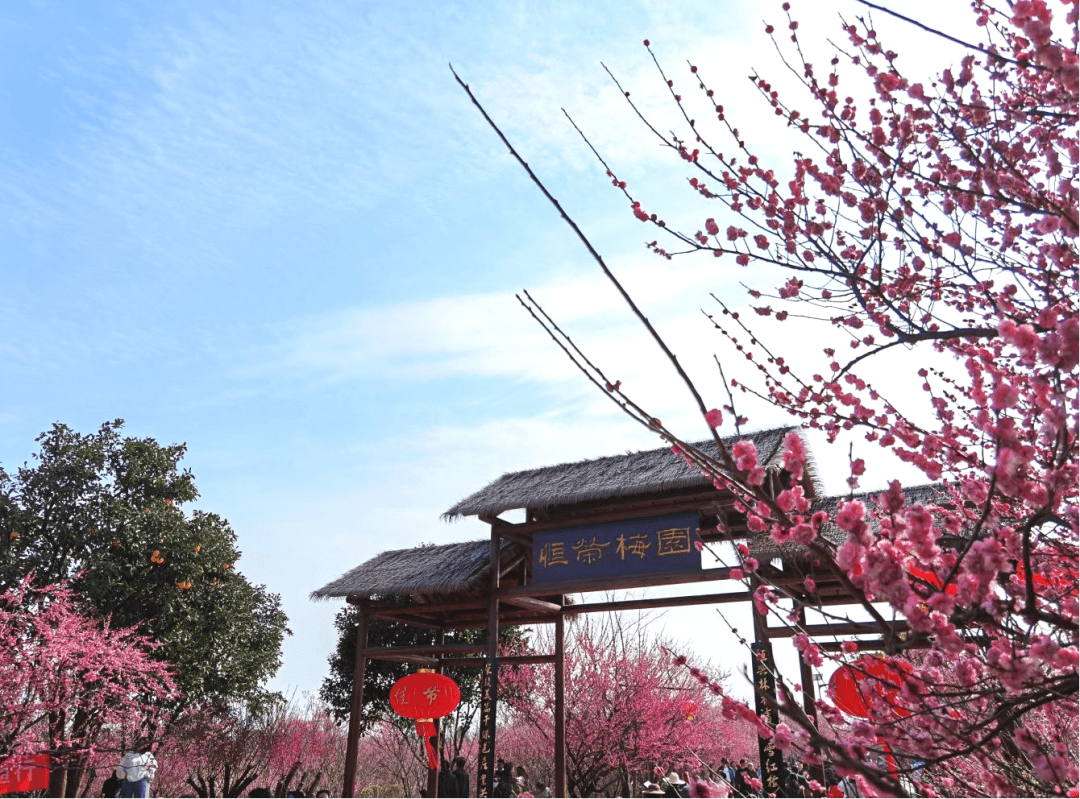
(278, 232)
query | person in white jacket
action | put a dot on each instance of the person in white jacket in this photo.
(137, 769)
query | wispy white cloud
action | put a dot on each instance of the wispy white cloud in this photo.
(491, 334)
(196, 146)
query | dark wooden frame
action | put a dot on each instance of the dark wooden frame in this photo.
(511, 599)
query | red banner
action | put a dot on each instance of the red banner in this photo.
(24, 774)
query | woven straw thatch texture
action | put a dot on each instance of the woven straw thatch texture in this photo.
(626, 475)
(429, 570)
(764, 549)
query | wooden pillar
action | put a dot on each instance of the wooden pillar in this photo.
(770, 758)
(806, 676)
(357, 707)
(433, 774)
(485, 743)
(806, 673)
(560, 705)
(486, 767)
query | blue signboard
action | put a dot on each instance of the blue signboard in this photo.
(657, 545)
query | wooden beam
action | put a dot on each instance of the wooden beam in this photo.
(513, 660)
(403, 618)
(876, 645)
(615, 584)
(820, 601)
(846, 628)
(475, 621)
(658, 602)
(420, 660)
(529, 603)
(444, 649)
(697, 499)
(432, 607)
(509, 567)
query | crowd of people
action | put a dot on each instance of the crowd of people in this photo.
(742, 779)
(453, 781)
(734, 779)
(133, 775)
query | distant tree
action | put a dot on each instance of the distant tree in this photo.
(287, 746)
(393, 763)
(630, 709)
(104, 513)
(306, 749)
(212, 752)
(380, 675)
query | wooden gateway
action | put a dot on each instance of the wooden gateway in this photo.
(619, 522)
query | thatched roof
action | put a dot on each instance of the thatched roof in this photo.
(764, 549)
(429, 570)
(632, 474)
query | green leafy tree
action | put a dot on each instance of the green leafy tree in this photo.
(380, 675)
(106, 513)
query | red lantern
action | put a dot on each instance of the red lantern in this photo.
(689, 709)
(425, 696)
(850, 685)
(930, 577)
(1060, 581)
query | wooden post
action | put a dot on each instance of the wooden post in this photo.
(806, 675)
(560, 705)
(770, 758)
(486, 770)
(356, 709)
(485, 741)
(433, 774)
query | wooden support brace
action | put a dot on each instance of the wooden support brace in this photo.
(529, 603)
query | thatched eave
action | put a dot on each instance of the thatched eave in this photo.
(427, 570)
(763, 548)
(617, 476)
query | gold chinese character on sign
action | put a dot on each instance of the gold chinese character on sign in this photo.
(432, 693)
(675, 541)
(552, 554)
(590, 551)
(637, 544)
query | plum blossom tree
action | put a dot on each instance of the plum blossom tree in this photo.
(289, 746)
(307, 751)
(936, 215)
(197, 747)
(630, 709)
(59, 665)
(393, 763)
